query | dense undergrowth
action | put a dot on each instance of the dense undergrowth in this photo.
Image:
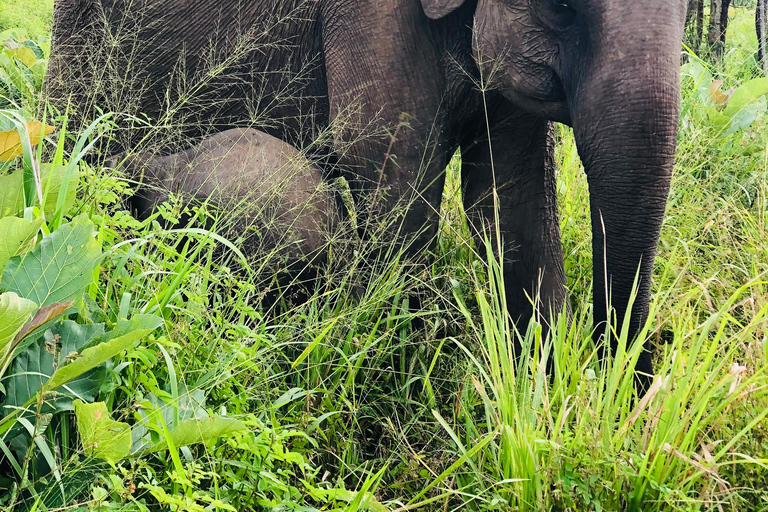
(146, 368)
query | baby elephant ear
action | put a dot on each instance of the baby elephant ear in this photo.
(436, 9)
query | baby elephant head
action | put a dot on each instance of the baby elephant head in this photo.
(266, 193)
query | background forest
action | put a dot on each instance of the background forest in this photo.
(147, 368)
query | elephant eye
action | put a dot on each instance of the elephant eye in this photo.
(563, 5)
(563, 11)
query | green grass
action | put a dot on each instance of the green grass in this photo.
(352, 401)
(35, 16)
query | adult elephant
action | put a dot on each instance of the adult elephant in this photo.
(403, 84)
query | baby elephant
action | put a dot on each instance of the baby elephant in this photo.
(274, 200)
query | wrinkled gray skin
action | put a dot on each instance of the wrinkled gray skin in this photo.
(609, 68)
(279, 202)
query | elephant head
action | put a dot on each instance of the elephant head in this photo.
(610, 69)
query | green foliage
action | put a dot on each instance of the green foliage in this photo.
(59, 268)
(35, 16)
(73, 364)
(162, 375)
(727, 113)
(46, 269)
(14, 313)
(579, 438)
(52, 179)
(104, 347)
(17, 234)
(102, 436)
(35, 366)
(22, 67)
(198, 431)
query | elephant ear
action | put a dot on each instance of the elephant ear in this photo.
(436, 9)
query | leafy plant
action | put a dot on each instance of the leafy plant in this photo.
(45, 274)
(161, 375)
(727, 112)
(23, 62)
(102, 437)
(61, 398)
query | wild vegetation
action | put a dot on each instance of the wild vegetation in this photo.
(34, 17)
(150, 368)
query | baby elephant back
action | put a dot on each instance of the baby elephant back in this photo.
(269, 195)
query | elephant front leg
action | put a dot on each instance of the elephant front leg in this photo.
(518, 159)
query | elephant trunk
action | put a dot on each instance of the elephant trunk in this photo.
(624, 108)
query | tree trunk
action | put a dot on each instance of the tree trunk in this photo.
(694, 24)
(690, 12)
(760, 21)
(718, 24)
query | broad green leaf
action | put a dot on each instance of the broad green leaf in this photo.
(190, 405)
(717, 119)
(16, 234)
(746, 116)
(38, 70)
(747, 93)
(45, 46)
(19, 34)
(13, 75)
(52, 178)
(35, 47)
(701, 77)
(24, 54)
(59, 268)
(101, 436)
(34, 366)
(11, 193)
(200, 431)
(120, 338)
(12, 189)
(14, 313)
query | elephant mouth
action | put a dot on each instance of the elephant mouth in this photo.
(545, 98)
(557, 111)
(553, 109)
